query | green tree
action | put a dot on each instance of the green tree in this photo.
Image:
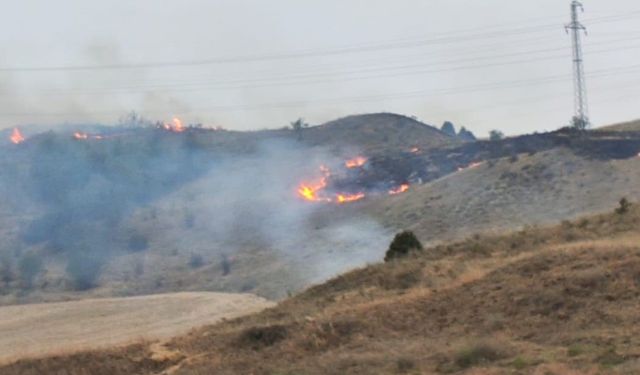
(402, 244)
(29, 267)
(496, 135)
(466, 135)
(448, 128)
(297, 127)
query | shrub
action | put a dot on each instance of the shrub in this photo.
(259, 337)
(402, 244)
(189, 220)
(225, 264)
(6, 270)
(84, 270)
(611, 358)
(480, 353)
(29, 267)
(405, 364)
(196, 261)
(623, 206)
(496, 135)
(138, 242)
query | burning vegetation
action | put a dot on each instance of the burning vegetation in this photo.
(356, 162)
(175, 126)
(322, 189)
(16, 137)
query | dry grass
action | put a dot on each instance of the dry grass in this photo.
(557, 300)
(54, 328)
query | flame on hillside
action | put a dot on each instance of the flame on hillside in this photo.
(310, 191)
(399, 190)
(175, 126)
(356, 162)
(315, 191)
(79, 135)
(470, 166)
(342, 198)
(16, 136)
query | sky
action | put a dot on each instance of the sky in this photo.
(255, 64)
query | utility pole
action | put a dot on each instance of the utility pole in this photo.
(581, 116)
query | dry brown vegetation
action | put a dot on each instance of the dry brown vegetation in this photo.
(54, 328)
(547, 300)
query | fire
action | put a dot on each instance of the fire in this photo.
(470, 166)
(309, 191)
(80, 136)
(342, 198)
(356, 162)
(176, 126)
(399, 190)
(315, 191)
(16, 136)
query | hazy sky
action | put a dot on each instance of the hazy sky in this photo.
(251, 64)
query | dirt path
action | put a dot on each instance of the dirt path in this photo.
(39, 329)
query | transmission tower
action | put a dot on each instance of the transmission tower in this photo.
(581, 116)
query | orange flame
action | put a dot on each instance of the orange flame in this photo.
(177, 125)
(356, 162)
(399, 190)
(341, 198)
(16, 136)
(80, 136)
(471, 166)
(309, 191)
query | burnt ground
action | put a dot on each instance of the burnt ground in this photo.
(393, 168)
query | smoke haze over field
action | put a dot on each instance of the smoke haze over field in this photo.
(251, 64)
(84, 203)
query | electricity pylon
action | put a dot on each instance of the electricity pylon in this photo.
(581, 116)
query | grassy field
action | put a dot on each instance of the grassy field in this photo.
(56, 328)
(542, 300)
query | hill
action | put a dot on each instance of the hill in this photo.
(377, 133)
(510, 193)
(631, 126)
(148, 210)
(552, 300)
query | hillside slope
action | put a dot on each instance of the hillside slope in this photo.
(510, 193)
(555, 300)
(377, 133)
(630, 126)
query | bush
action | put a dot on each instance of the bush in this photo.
(138, 242)
(6, 270)
(480, 353)
(402, 244)
(84, 270)
(496, 135)
(405, 364)
(623, 207)
(225, 264)
(196, 261)
(260, 337)
(29, 267)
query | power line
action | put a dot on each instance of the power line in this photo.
(446, 38)
(413, 94)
